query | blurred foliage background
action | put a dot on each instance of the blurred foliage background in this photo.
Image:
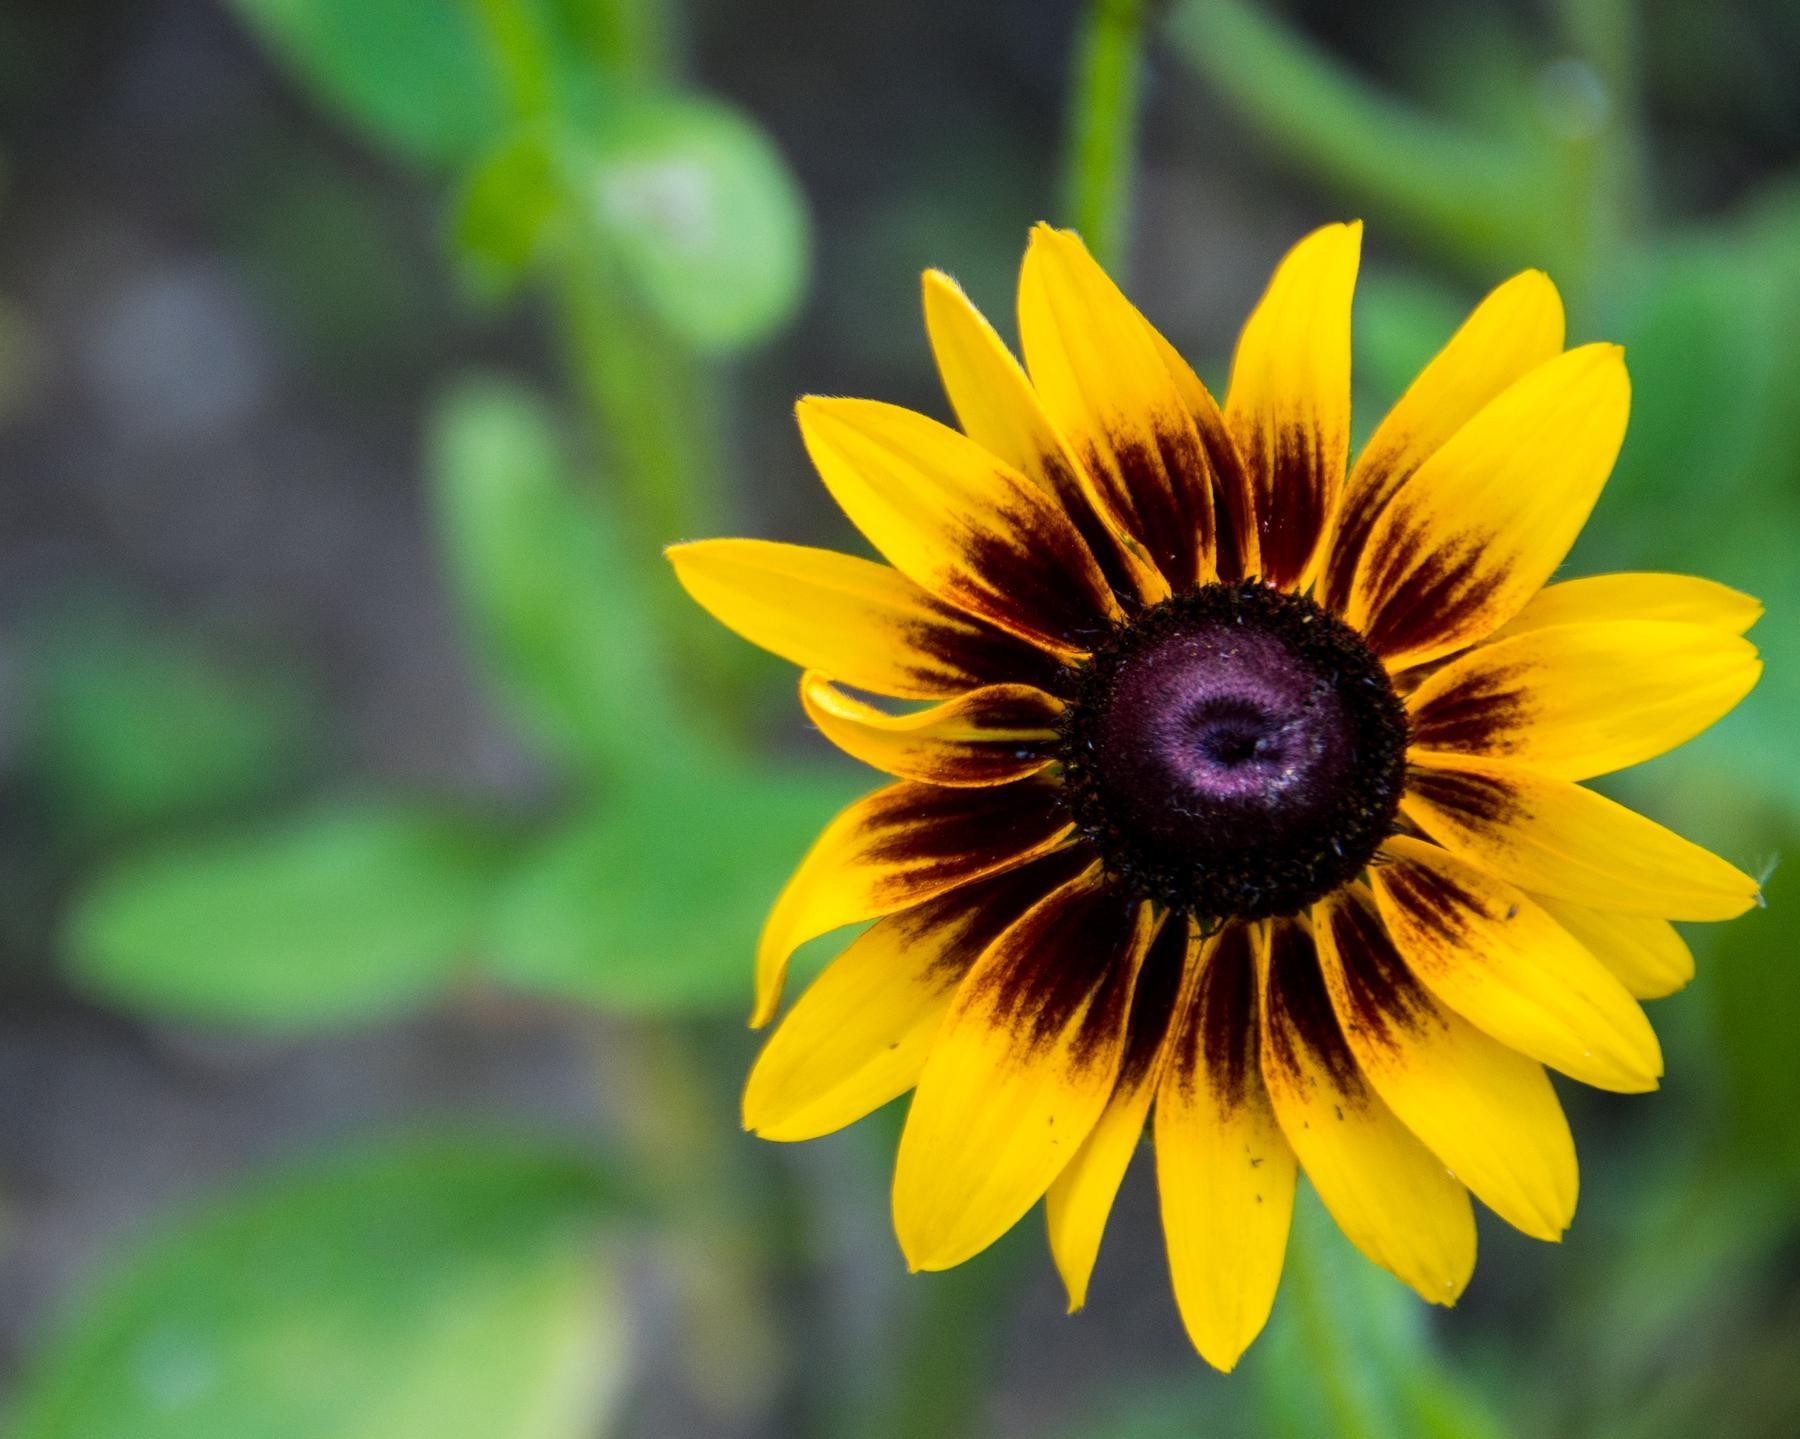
(382, 838)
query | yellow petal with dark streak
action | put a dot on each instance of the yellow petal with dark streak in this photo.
(1481, 524)
(1580, 700)
(860, 1034)
(1494, 956)
(1392, 1197)
(1555, 838)
(1105, 385)
(1239, 542)
(988, 736)
(1021, 1071)
(860, 622)
(1224, 1173)
(999, 410)
(957, 520)
(1078, 1203)
(1515, 329)
(1288, 404)
(1485, 1110)
(896, 848)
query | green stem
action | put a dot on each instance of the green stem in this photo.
(651, 414)
(1303, 1286)
(518, 49)
(1480, 194)
(1103, 119)
(631, 39)
(1605, 166)
(643, 393)
(646, 399)
(661, 1084)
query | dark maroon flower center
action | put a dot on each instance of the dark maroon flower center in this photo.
(1236, 752)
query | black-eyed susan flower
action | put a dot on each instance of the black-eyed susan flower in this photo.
(1245, 799)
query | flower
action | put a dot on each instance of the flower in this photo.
(1246, 800)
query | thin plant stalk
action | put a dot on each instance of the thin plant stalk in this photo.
(1101, 157)
(647, 404)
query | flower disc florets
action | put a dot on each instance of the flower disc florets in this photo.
(1235, 753)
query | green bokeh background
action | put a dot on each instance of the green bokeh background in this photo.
(383, 837)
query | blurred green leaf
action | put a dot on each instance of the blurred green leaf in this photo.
(133, 728)
(1402, 320)
(411, 74)
(699, 212)
(1483, 194)
(630, 39)
(1680, 1271)
(436, 1291)
(1706, 318)
(1754, 983)
(554, 596)
(653, 903)
(335, 917)
(507, 204)
(1348, 1352)
(1709, 479)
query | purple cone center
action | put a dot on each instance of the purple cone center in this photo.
(1224, 726)
(1235, 751)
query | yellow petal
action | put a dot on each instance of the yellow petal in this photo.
(1648, 956)
(1579, 700)
(1081, 1197)
(1390, 1195)
(1238, 543)
(958, 521)
(988, 736)
(1484, 1109)
(860, 622)
(1507, 967)
(1289, 401)
(1479, 527)
(999, 410)
(1078, 1203)
(1682, 599)
(1558, 839)
(1104, 384)
(1516, 328)
(1022, 1068)
(860, 1034)
(1224, 1173)
(896, 848)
